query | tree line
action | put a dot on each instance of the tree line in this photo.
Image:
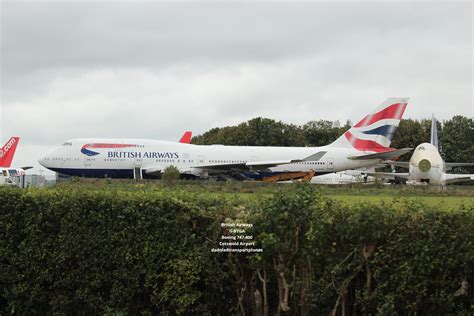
(456, 135)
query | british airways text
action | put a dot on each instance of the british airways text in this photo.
(146, 154)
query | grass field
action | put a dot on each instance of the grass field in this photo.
(451, 197)
(442, 201)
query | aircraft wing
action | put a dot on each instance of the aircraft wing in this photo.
(241, 166)
(388, 175)
(268, 164)
(224, 166)
(236, 167)
(154, 169)
(260, 165)
(387, 155)
(249, 165)
(451, 165)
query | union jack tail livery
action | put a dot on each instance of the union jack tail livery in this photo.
(8, 151)
(375, 131)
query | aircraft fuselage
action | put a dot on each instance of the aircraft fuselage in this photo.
(117, 158)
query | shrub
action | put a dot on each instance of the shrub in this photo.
(67, 250)
(170, 174)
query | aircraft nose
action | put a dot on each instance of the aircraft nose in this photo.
(42, 161)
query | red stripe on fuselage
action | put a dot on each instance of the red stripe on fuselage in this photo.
(365, 145)
(103, 145)
(394, 111)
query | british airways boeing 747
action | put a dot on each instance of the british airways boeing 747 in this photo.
(366, 143)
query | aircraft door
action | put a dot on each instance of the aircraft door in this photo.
(87, 161)
(330, 163)
(137, 169)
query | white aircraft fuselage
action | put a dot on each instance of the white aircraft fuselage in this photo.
(343, 177)
(427, 166)
(75, 159)
(12, 172)
(364, 144)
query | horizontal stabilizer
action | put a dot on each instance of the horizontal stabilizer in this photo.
(402, 164)
(453, 178)
(451, 165)
(26, 168)
(383, 155)
(388, 175)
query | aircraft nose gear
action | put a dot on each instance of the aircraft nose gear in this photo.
(424, 165)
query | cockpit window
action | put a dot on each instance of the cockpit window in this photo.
(67, 144)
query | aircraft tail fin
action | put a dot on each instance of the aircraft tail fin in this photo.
(186, 138)
(434, 133)
(376, 130)
(8, 151)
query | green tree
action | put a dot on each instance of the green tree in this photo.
(284, 222)
(457, 140)
(410, 133)
(320, 133)
(170, 174)
(255, 132)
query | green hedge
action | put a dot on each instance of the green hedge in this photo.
(72, 251)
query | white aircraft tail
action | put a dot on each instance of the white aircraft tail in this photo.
(376, 130)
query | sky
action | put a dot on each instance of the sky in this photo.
(143, 69)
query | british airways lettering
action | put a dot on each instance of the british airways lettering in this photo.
(146, 154)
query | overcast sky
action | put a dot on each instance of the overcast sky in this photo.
(152, 70)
